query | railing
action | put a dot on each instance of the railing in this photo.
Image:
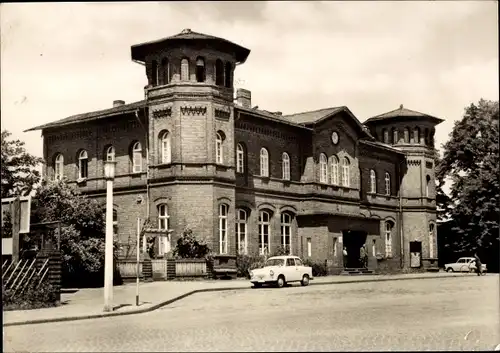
(17, 276)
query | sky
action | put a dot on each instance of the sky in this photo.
(61, 59)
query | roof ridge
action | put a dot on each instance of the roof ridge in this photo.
(316, 110)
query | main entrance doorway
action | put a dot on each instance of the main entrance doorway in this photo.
(353, 241)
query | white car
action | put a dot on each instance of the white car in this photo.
(464, 264)
(280, 270)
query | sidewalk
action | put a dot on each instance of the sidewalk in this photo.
(88, 303)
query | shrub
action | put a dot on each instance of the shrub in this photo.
(33, 297)
(189, 247)
(318, 268)
(246, 263)
(280, 251)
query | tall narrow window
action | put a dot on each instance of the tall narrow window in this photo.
(388, 239)
(166, 148)
(166, 71)
(427, 186)
(163, 224)
(335, 242)
(432, 254)
(223, 228)
(264, 163)
(406, 134)
(184, 69)
(345, 172)
(286, 166)
(416, 136)
(227, 76)
(387, 184)
(374, 248)
(426, 137)
(373, 182)
(395, 136)
(334, 166)
(286, 232)
(59, 167)
(219, 73)
(83, 165)
(264, 233)
(218, 148)
(200, 69)
(240, 159)
(323, 168)
(110, 154)
(154, 73)
(137, 158)
(241, 231)
(309, 247)
(386, 136)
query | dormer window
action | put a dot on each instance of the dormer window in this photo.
(184, 69)
(227, 75)
(219, 72)
(200, 69)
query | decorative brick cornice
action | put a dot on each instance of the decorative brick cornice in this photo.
(222, 114)
(160, 113)
(414, 162)
(193, 110)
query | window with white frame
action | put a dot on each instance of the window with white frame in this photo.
(345, 171)
(184, 69)
(110, 154)
(432, 254)
(166, 147)
(334, 166)
(241, 231)
(373, 181)
(137, 158)
(323, 168)
(59, 167)
(406, 135)
(309, 247)
(264, 232)
(388, 238)
(286, 166)
(240, 159)
(385, 133)
(83, 165)
(218, 148)
(374, 248)
(264, 162)
(286, 232)
(387, 184)
(163, 224)
(223, 208)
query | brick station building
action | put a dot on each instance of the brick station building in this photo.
(249, 180)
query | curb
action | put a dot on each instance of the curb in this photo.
(170, 301)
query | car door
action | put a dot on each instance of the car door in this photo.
(462, 265)
(300, 268)
(291, 270)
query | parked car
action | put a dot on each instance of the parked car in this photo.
(280, 270)
(464, 264)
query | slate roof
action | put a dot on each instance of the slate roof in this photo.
(269, 116)
(312, 116)
(98, 114)
(139, 51)
(382, 145)
(403, 112)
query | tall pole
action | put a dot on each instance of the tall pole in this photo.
(138, 246)
(108, 259)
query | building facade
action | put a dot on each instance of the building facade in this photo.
(195, 154)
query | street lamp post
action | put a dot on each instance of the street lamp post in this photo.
(109, 173)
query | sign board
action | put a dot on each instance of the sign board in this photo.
(7, 203)
(6, 246)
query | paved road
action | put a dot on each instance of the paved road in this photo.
(432, 314)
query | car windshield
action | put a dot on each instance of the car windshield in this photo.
(275, 262)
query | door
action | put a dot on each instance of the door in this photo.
(415, 254)
(353, 241)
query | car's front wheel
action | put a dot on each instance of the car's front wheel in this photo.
(280, 283)
(305, 280)
(449, 269)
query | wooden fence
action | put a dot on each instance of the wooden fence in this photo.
(190, 268)
(17, 276)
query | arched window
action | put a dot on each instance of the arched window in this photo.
(240, 159)
(110, 154)
(264, 232)
(416, 136)
(184, 69)
(59, 167)
(388, 239)
(385, 133)
(219, 73)
(406, 134)
(200, 69)
(83, 165)
(345, 172)
(165, 147)
(323, 168)
(432, 239)
(427, 186)
(219, 153)
(137, 158)
(286, 166)
(223, 208)
(387, 184)
(395, 137)
(166, 71)
(163, 224)
(264, 163)
(286, 232)
(373, 181)
(334, 170)
(227, 75)
(154, 73)
(241, 231)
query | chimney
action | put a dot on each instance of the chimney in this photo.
(118, 103)
(244, 98)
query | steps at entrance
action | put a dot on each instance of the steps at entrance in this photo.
(356, 272)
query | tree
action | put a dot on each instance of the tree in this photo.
(19, 175)
(471, 162)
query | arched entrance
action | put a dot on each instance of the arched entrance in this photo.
(353, 241)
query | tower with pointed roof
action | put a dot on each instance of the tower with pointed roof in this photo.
(413, 133)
